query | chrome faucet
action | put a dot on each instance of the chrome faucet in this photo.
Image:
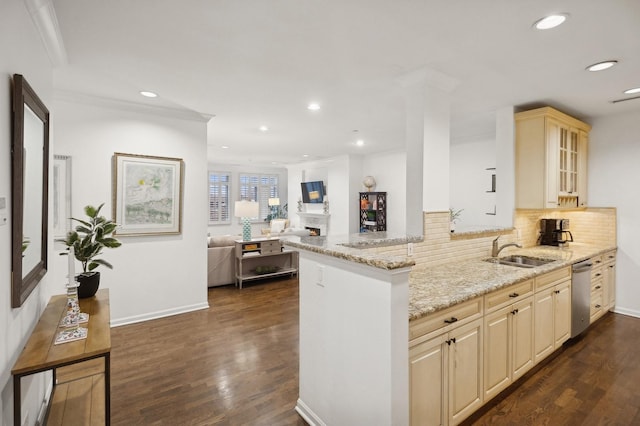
(495, 250)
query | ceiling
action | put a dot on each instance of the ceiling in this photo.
(260, 62)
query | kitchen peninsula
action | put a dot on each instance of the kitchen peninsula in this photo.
(353, 330)
(359, 309)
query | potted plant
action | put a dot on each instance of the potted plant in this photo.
(453, 217)
(88, 240)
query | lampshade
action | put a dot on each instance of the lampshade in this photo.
(247, 208)
(274, 201)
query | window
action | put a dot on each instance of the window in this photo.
(259, 188)
(219, 197)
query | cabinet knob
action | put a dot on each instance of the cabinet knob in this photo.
(598, 274)
(598, 306)
(515, 311)
(451, 320)
(514, 295)
(557, 292)
(597, 287)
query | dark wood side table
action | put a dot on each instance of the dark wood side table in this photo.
(42, 354)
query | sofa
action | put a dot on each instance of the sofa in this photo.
(221, 260)
(280, 228)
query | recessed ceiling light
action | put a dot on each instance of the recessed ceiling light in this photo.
(149, 94)
(632, 91)
(224, 147)
(360, 142)
(264, 128)
(313, 106)
(550, 21)
(305, 155)
(600, 66)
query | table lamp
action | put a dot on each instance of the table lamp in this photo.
(273, 205)
(246, 210)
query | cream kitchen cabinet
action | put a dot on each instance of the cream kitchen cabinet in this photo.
(551, 159)
(552, 318)
(508, 345)
(445, 365)
(599, 300)
(609, 280)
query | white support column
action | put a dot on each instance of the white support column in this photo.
(427, 95)
(505, 166)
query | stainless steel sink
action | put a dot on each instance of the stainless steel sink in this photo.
(521, 261)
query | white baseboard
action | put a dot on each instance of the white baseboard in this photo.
(158, 314)
(629, 312)
(308, 415)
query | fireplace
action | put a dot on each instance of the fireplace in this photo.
(314, 232)
(316, 223)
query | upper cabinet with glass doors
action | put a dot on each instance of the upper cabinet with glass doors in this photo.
(551, 160)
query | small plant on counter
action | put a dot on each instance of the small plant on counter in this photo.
(454, 214)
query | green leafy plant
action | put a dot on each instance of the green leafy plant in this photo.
(278, 213)
(454, 214)
(90, 237)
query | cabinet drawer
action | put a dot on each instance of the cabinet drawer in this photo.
(503, 297)
(552, 278)
(597, 284)
(597, 261)
(596, 273)
(267, 247)
(609, 256)
(596, 305)
(446, 319)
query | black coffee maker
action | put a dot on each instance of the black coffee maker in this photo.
(555, 232)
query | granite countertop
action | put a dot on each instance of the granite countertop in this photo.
(434, 288)
(349, 247)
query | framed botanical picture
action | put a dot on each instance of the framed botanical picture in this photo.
(147, 194)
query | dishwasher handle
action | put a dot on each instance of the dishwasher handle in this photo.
(582, 267)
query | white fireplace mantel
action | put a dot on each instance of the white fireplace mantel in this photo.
(315, 220)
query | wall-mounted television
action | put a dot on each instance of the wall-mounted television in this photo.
(312, 192)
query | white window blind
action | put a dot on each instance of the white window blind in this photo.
(259, 187)
(219, 197)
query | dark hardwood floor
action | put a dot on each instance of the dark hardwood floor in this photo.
(594, 380)
(237, 364)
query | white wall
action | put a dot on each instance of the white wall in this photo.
(470, 180)
(153, 276)
(389, 170)
(614, 150)
(22, 52)
(235, 227)
(343, 177)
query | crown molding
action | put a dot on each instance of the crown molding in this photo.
(117, 104)
(45, 20)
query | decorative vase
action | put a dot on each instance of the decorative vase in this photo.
(89, 283)
(452, 226)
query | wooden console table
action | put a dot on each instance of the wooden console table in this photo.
(42, 354)
(263, 253)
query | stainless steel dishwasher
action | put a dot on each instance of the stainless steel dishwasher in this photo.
(580, 296)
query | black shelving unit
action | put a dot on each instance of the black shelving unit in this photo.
(373, 211)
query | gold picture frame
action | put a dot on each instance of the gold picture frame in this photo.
(147, 194)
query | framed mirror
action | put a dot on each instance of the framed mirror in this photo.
(29, 190)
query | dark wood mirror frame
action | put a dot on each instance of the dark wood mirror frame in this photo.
(24, 281)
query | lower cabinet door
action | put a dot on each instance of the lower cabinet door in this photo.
(522, 337)
(496, 352)
(465, 371)
(562, 313)
(427, 362)
(543, 340)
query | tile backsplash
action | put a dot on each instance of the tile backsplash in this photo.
(591, 226)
